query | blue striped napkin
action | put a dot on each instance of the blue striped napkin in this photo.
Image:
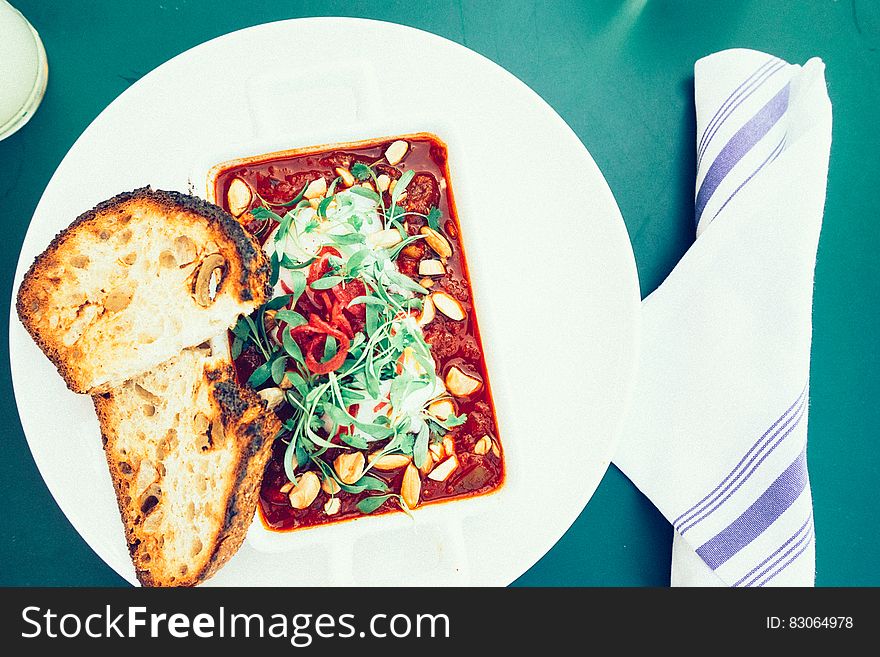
(717, 434)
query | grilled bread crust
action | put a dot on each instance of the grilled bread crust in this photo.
(186, 447)
(117, 292)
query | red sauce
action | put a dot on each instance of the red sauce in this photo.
(278, 178)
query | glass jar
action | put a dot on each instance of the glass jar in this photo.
(24, 70)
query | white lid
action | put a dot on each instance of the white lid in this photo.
(22, 69)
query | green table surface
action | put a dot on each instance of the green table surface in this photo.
(621, 74)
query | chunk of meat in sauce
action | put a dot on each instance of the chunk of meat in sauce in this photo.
(343, 159)
(479, 421)
(457, 288)
(442, 339)
(388, 170)
(470, 349)
(408, 266)
(422, 193)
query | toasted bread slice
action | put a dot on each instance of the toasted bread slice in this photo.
(186, 447)
(135, 280)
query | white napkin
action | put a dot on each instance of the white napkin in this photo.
(717, 434)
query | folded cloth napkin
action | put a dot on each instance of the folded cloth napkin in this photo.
(717, 432)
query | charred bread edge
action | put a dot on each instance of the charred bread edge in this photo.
(258, 433)
(253, 453)
(255, 269)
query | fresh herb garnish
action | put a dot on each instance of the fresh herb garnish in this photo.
(357, 319)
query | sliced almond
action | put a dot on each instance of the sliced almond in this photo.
(345, 174)
(448, 446)
(448, 305)
(411, 486)
(496, 450)
(384, 239)
(428, 465)
(441, 409)
(316, 189)
(305, 491)
(427, 282)
(330, 486)
(396, 151)
(331, 506)
(436, 241)
(442, 470)
(388, 461)
(239, 197)
(286, 488)
(427, 315)
(349, 466)
(272, 396)
(314, 203)
(431, 268)
(461, 384)
(436, 449)
(368, 185)
(483, 445)
(383, 181)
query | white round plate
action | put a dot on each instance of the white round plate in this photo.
(552, 268)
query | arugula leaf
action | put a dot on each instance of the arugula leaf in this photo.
(370, 504)
(273, 262)
(409, 239)
(241, 329)
(289, 263)
(366, 193)
(298, 279)
(260, 375)
(323, 205)
(289, 457)
(329, 348)
(371, 483)
(298, 383)
(292, 348)
(420, 447)
(367, 300)
(302, 458)
(277, 369)
(291, 317)
(326, 283)
(296, 199)
(349, 239)
(400, 187)
(277, 302)
(356, 259)
(283, 227)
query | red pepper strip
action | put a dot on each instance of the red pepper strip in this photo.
(342, 341)
(284, 287)
(317, 343)
(320, 266)
(345, 295)
(338, 319)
